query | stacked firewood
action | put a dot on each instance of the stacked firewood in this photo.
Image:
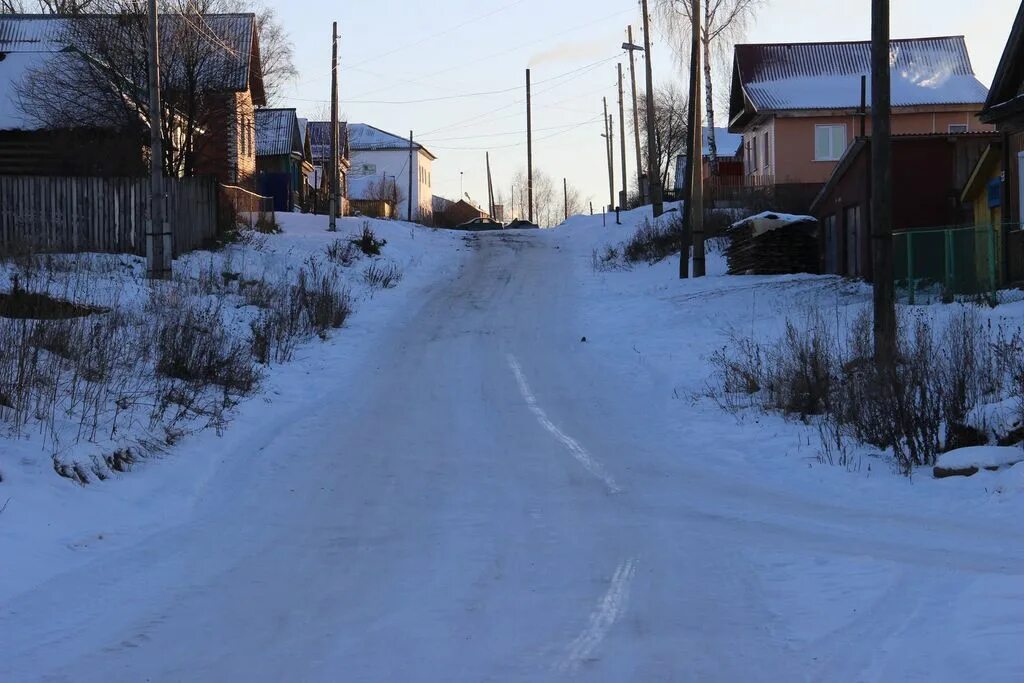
(773, 244)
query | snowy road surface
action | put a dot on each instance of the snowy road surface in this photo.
(485, 498)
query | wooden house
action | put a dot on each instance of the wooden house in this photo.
(61, 115)
(929, 173)
(1004, 108)
(797, 105)
(282, 164)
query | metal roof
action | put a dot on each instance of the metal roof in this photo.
(319, 133)
(233, 37)
(801, 76)
(277, 132)
(366, 138)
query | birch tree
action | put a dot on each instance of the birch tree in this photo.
(722, 24)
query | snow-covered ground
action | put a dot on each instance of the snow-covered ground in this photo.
(458, 487)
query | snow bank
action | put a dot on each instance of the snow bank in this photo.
(980, 457)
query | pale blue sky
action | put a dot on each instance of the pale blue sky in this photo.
(400, 50)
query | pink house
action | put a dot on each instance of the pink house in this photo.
(797, 104)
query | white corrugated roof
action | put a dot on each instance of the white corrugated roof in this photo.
(364, 137)
(800, 76)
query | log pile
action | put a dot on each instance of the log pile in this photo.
(773, 244)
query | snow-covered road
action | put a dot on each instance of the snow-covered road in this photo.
(498, 501)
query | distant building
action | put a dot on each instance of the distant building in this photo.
(728, 147)
(283, 159)
(376, 152)
(796, 105)
(319, 134)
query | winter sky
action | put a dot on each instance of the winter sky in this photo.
(402, 50)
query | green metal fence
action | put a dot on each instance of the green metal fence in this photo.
(943, 263)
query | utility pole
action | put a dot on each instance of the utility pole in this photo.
(697, 161)
(158, 234)
(333, 225)
(565, 194)
(608, 152)
(631, 48)
(694, 159)
(408, 209)
(623, 195)
(490, 188)
(653, 174)
(529, 149)
(881, 189)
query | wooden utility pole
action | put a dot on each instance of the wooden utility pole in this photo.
(408, 209)
(565, 194)
(490, 188)
(653, 173)
(158, 231)
(636, 117)
(335, 189)
(881, 188)
(694, 159)
(623, 195)
(608, 152)
(529, 149)
(696, 132)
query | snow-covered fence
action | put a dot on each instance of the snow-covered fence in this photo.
(53, 214)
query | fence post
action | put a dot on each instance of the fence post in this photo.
(909, 237)
(992, 262)
(948, 239)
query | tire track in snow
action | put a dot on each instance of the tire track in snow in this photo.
(604, 616)
(578, 451)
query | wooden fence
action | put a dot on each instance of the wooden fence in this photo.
(51, 214)
(252, 210)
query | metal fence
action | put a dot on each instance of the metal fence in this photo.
(252, 210)
(74, 214)
(943, 263)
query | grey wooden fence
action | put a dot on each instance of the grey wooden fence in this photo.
(50, 214)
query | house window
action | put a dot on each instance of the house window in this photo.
(958, 128)
(829, 142)
(766, 150)
(753, 154)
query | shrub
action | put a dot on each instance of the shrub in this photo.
(916, 408)
(382, 277)
(343, 252)
(653, 242)
(367, 241)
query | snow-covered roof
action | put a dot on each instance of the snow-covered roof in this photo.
(364, 137)
(768, 221)
(29, 41)
(303, 129)
(809, 76)
(277, 132)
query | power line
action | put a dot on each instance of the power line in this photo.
(521, 144)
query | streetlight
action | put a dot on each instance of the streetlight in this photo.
(461, 193)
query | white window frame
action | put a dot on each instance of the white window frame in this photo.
(836, 155)
(962, 128)
(766, 163)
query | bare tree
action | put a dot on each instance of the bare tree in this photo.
(387, 190)
(724, 22)
(548, 200)
(670, 108)
(277, 54)
(67, 7)
(11, 7)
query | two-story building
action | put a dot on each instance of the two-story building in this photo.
(376, 152)
(798, 105)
